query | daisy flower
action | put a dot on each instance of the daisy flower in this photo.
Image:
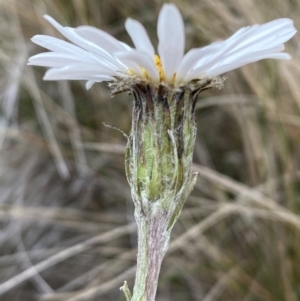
(165, 85)
(96, 56)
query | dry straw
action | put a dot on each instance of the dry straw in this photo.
(226, 218)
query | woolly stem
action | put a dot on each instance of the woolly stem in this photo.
(153, 240)
(158, 168)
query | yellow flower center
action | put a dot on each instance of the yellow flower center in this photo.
(159, 67)
(145, 73)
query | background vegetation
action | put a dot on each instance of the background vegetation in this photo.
(66, 215)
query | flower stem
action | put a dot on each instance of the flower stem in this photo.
(153, 240)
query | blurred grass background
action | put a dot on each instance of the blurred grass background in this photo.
(66, 215)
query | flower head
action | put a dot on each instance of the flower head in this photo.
(165, 85)
(96, 56)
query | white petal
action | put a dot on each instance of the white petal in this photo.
(78, 71)
(209, 60)
(52, 59)
(130, 64)
(142, 60)
(243, 55)
(100, 38)
(247, 45)
(196, 57)
(70, 34)
(237, 64)
(61, 46)
(89, 84)
(170, 30)
(126, 46)
(58, 45)
(139, 37)
(263, 36)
